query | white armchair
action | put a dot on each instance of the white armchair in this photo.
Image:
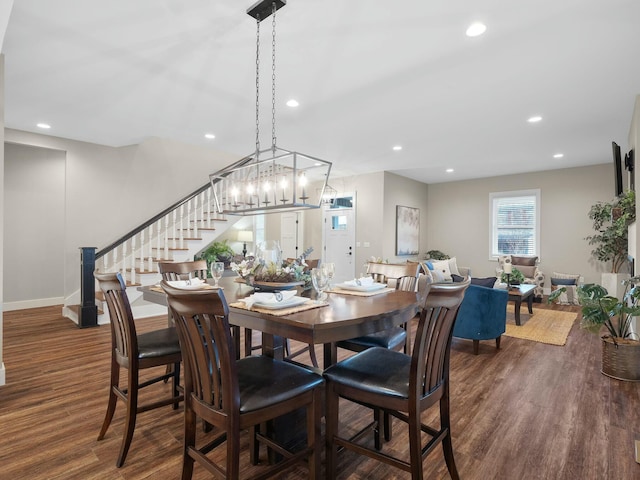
(528, 265)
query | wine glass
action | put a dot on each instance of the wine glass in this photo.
(217, 268)
(319, 280)
(329, 270)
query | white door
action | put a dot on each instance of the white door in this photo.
(339, 235)
(290, 234)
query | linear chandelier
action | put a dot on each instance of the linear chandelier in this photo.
(273, 179)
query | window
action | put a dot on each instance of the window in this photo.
(515, 223)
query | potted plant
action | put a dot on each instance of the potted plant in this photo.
(602, 312)
(218, 251)
(611, 238)
(516, 277)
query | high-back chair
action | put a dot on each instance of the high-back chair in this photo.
(235, 395)
(135, 352)
(401, 277)
(183, 270)
(401, 385)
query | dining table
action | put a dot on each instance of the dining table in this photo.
(344, 314)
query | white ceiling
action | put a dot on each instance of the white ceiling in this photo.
(369, 74)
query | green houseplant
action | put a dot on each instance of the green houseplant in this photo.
(515, 278)
(602, 312)
(610, 222)
(218, 251)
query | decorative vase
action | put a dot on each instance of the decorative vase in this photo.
(621, 361)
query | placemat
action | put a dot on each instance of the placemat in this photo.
(159, 289)
(361, 294)
(311, 304)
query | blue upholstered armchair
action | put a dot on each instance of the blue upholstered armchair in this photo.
(482, 315)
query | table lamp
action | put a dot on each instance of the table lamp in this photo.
(245, 236)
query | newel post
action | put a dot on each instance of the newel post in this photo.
(88, 316)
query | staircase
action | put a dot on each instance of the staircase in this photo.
(176, 234)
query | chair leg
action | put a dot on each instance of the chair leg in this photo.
(176, 384)
(447, 447)
(331, 430)
(476, 347)
(498, 342)
(377, 414)
(388, 423)
(312, 354)
(130, 420)
(254, 445)
(314, 415)
(415, 447)
(113, 399)
(189, 442)
(248, 342)
(233, 457)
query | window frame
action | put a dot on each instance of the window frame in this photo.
(493, 214)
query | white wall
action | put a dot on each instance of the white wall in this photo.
(2, 369)
(34, 191)
(459, 212)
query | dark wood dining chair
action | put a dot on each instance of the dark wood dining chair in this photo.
(135, 352)
(236, 395)
(183, 270)
(401, 277)
(401, 385)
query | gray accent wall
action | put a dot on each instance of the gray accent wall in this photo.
(459, 216)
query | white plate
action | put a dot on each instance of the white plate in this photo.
(185, 285)
(292, 302)
(362, 288)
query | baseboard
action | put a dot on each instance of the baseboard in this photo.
(41, 302)
(3, 378)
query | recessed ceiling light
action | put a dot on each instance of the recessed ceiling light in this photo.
(210, 136)
(292, 103)
(476, 29)
(46, 126)
(449, 170)
(397, 148)
(534, 119)
(558, 155)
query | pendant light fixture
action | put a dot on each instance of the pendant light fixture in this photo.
(274, 179)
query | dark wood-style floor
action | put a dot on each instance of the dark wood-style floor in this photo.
(527, 411)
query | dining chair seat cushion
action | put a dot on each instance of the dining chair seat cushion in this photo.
(376, 370)
(264, 381)
(390, 338)
(158, 343)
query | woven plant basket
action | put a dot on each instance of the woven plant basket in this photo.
(621, 361)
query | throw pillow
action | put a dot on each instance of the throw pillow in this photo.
(527, 271)
(453, 266)
(488, 282)
(563, 281)
(429, 265)
(442, 266)
(438, 276)
(565, 276)
(569, 297)
(457, 278)
(525, 261)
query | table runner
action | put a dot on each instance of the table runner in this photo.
(361, 294)
(311, 304)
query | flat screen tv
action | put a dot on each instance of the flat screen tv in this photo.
(617, 169)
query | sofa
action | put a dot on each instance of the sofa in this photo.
(482, 315)
(528, 265)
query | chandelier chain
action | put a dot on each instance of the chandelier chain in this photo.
(273, 80)
(257, 86)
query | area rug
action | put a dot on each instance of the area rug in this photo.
(544, 326)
